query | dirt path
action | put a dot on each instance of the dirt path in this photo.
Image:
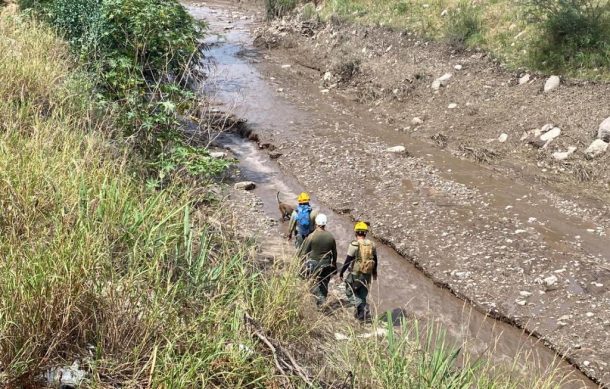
(496, 236)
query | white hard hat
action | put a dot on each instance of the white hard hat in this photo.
(321, 220)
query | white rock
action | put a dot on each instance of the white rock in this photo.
(452, 106)
(441, 81)
(565, 317)
(503, 138)
(245, 185)
(550, 135)
(458, 67)
(327, 76)
(416, 121)
(286, 66)
(445, 12)
(604, 130)
(546, 127)
(396, 149)
(521, 302)
(563, 155)
(218, 154)
(589, 314)
(340, 336)
(597, 148)
(525, 79)
(525, 293)
(550, 280)
(552, 83)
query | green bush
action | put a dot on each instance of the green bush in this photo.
(574, 34)
(463, 24)
(139, 52)
(278, 8)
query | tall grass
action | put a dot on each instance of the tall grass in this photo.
(99, 268)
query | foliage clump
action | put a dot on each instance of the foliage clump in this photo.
(140, 53)
(574, 34)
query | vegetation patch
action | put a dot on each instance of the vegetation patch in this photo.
(570, 37)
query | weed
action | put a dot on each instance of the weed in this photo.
(279, 8)
(463, 24)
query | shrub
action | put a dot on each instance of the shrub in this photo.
(278, 8)
(139, 51)
(463, 24)
(574, 34)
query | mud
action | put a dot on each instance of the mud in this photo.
(489, 234)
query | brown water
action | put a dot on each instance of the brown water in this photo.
(236, 83)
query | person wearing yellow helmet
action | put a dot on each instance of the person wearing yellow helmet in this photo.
(302, 220)
(361, 261)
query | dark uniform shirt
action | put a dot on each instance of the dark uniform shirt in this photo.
(320, 245)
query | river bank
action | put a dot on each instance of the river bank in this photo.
(471, 228)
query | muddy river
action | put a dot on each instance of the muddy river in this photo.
(238, 84)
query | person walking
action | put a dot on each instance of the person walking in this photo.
(302, 220)
(361, 261)
(319, 252)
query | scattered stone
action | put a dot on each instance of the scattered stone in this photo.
(520, 302)
(218, 154)
(597, 148)
(245, 185)
(65, 377)
(563, 155)
(525, 79)
(551, 134)
(286, 66)
(452, 106)
(550, 280)
(589, 314)
(458, 67)
(552, 83)
(445, 12)
(416, 121)
(397, 149)
(565, 317)
(327, 76)
(503, 138)
(525, 293)
(546, 127)
(604, 131)
(537, 143)
(275, 154)
(441, 81)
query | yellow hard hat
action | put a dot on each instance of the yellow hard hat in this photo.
(361, 227)
(303, 198)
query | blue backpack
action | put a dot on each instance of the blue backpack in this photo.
(303, 219)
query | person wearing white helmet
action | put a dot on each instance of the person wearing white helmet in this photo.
(319, 253)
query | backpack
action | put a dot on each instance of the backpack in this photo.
(303, 220)
(366, 261)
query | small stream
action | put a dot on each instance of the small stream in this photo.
(237, 84)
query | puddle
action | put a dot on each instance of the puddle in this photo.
(402, 287)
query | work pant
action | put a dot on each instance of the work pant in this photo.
(357, 291)
(298, 241)
(320, 288)
(321, 274)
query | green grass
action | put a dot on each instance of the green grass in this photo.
(564, 36)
